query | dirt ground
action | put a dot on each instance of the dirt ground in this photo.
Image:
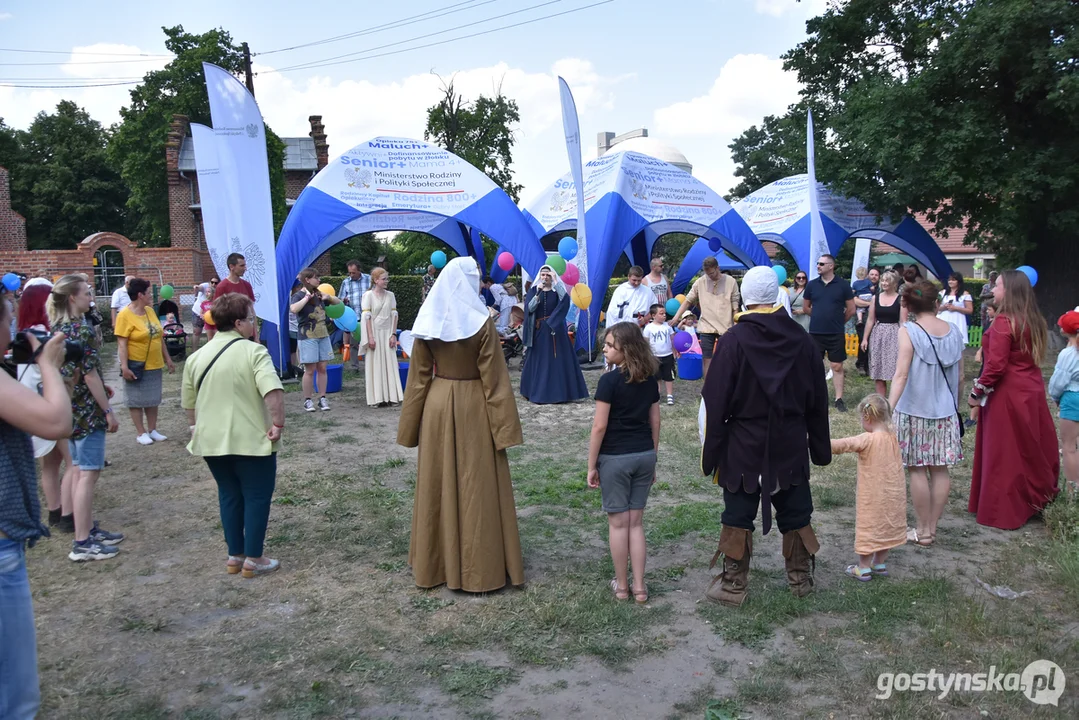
(163, 632)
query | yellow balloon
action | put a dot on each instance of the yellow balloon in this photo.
(581, 296)
(326, 289)
(208, 318)
(680, 298)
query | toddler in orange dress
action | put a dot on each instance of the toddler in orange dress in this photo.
(881, 506)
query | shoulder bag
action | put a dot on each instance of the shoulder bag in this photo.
(198, 384)
(959, 419)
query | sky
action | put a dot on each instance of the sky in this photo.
(696, 73)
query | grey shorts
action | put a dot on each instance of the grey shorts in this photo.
(625, 480)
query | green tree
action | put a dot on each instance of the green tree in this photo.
(963, 110)
(64, 184)
(138, 144)
(773, 151)
(480, 132)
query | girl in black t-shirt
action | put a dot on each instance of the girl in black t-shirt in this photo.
(622, 453)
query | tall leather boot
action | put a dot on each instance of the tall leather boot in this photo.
(736, 547)
(800, 549)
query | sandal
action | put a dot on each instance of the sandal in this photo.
(855, 572)
(235, 564)
(253, 569)
(640, 596)
(619, 593)
(923, 541)
(880, 569)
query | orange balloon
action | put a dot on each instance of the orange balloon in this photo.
(208, 318)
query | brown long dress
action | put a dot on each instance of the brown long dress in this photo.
(460, 410)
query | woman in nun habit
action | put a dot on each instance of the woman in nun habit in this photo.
(767, 417)
(551, 373)
(460, 411)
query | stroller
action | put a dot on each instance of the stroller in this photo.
(175, 338)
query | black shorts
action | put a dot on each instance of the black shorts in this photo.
(666, 368)
(708, 343)
(834, 346)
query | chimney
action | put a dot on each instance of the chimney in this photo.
(318, 134)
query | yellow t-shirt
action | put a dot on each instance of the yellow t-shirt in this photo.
(143, 333)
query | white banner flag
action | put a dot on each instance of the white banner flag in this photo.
(245, 184)
(861, 257)
(818, 241)
(211, 196)
(572, 129)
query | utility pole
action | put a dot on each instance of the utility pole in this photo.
(247, 70)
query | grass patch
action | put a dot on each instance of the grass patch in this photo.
(1062, 521)
(830, 497)
(670, 523)
(343, 439)
(429, 603)
(476, 681)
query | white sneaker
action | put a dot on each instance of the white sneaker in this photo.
(157, 437)
(670, 399)
(308, 405)
(322, 404)
(144, 439)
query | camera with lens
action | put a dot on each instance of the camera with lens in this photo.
(23, 354)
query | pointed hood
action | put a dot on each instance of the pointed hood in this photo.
(765, 338)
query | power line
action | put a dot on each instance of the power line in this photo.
(328, 61)
(393, 25)
(69, 52)
(89, 62)
(67, 87)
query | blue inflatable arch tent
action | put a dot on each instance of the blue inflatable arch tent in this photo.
(780, 212)
(397, 184)
(630, 201)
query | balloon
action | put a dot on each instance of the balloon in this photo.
(672, 307)
(327, 289)
(581, 296)
(781, 273)
(1027, 270)
(208, 318)
(567, 248)
(557, 262)
(602, 316)
(166, 292)
(572, 275)
(682, 341)
(335, 311)
(438, 259)
(715, 244)
(12, 282)
(348, 320)
(680, 298)
(506, 261)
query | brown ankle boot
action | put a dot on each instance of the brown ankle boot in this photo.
(800, 549)
(736, 547)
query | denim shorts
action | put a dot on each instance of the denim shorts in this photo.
(313, 350)
(625, 480)
(89, 452)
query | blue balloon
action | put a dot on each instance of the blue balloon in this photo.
(781, 273)
(1030, 272)
(567, 248)
(348, 321)
(715, 244)
(672, 307)
(12, 282)
(438, 259)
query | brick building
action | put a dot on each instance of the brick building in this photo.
(108, 256)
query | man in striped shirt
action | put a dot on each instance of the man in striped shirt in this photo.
(351, 293)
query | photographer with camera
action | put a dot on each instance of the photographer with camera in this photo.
(23, 413)
(68, 303)
(309, 305)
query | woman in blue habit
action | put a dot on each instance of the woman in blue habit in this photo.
(551, 373)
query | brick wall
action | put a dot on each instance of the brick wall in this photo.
(12, 224)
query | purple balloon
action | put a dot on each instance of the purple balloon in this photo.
(715, 244)
(682, 341)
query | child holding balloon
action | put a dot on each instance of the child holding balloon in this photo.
(660, 335)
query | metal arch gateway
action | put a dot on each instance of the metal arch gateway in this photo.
(388, 184)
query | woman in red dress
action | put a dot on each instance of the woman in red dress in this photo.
(1016, 464)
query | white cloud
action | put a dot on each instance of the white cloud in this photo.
(5, 16)
(748, 88)
(355, 111)
(779, 8)
(89, 61)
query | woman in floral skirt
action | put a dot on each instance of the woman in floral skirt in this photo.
(924, 396)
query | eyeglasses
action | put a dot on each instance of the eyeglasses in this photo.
(823, 264)
(213, 282)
